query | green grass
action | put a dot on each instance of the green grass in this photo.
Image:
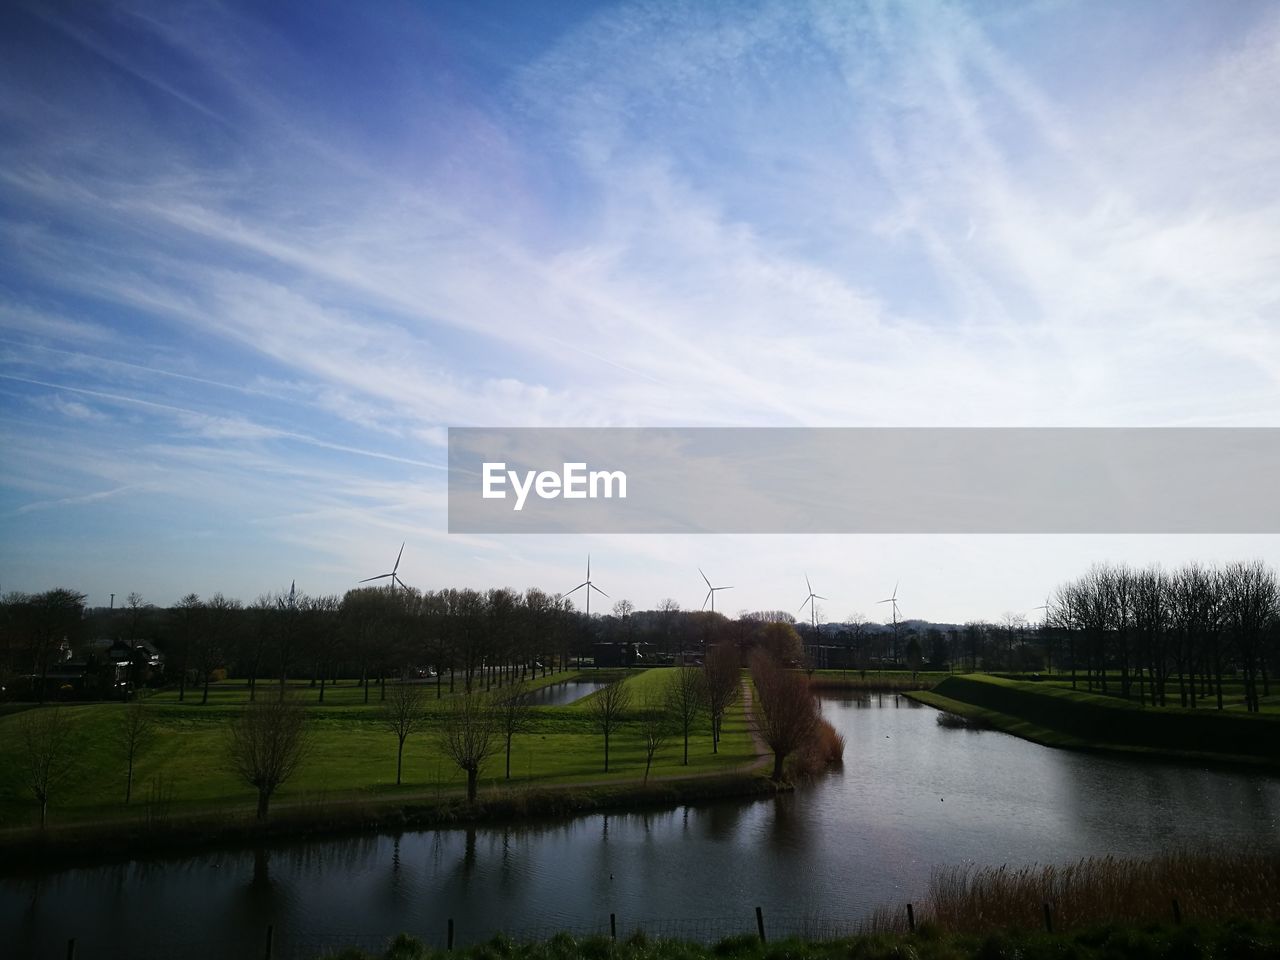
(1058, 716)
(352, 756)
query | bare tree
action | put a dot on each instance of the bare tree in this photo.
(723, 686)
(51, 618)
(656, 723)
(1249, 606)
(265, 745)
(190, 621)
(788, 716)
(686, 696)
(134, 734)
(515, 713)
(47, 761)
(403, 713)
(469, 736)
(607, 708)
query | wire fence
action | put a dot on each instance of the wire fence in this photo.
(284, 944)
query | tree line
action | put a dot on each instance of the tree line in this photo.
(465, 637)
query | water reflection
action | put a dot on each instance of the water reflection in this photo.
(912, 795)
(564, 693)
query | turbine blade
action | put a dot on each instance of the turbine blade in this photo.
(574, 590)
(724, 588)
(398, 556)
(818, 596)
(597, 589)
(704, 576)
(706, 598)
(895, 588)
(807, 583)
(381, 576)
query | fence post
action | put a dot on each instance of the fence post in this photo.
(71, 949)
(1177, 911)
(613, 926)
(1048, 919)
(760, 924)
(271, 933)
(450, 947)
(911, 918)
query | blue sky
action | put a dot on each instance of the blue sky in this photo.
(257, 261)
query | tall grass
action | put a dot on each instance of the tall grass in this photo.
(824, 749)
(1099, 890)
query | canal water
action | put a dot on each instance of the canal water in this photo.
(912, 795)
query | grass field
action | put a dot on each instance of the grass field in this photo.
(352, 755)
(1055, 715)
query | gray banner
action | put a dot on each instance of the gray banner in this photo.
(864, 480)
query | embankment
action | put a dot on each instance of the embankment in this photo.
(90, 842)
(1058, 717)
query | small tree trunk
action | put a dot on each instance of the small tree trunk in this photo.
(508, 756)
(128, 783)
(777, 766)
(264, 798)
(472, 777)
(399, 760)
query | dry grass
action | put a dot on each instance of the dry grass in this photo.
(1207, 886)
(824, 749)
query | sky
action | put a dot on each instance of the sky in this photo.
(257, 259)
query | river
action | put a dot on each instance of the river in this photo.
(912, 795)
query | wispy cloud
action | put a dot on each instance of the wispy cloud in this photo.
(283, 280)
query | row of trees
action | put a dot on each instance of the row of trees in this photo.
(463, 636)
(1139, 632)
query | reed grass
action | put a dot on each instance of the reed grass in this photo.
(1208, 886)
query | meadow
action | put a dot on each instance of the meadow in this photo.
(351, 754)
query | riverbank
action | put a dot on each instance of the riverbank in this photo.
(68, 845)
(1072, 719)
(1246, 940)
(873, 681)
(182, 770)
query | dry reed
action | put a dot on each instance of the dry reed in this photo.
(1098, 890)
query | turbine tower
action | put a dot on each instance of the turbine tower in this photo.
(393, 575)
(813, 608)
(894, 600)
(711, 592)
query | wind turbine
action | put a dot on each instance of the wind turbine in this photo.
(711, 592)
(589, 585)
(395, 577)
(1045, 607)
(813, 609)
(894, 600)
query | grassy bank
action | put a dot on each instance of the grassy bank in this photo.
(1179, 905)
(183, 782)
(1241, 940)
(1060, 717)
(874, 681)
(68, 845)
